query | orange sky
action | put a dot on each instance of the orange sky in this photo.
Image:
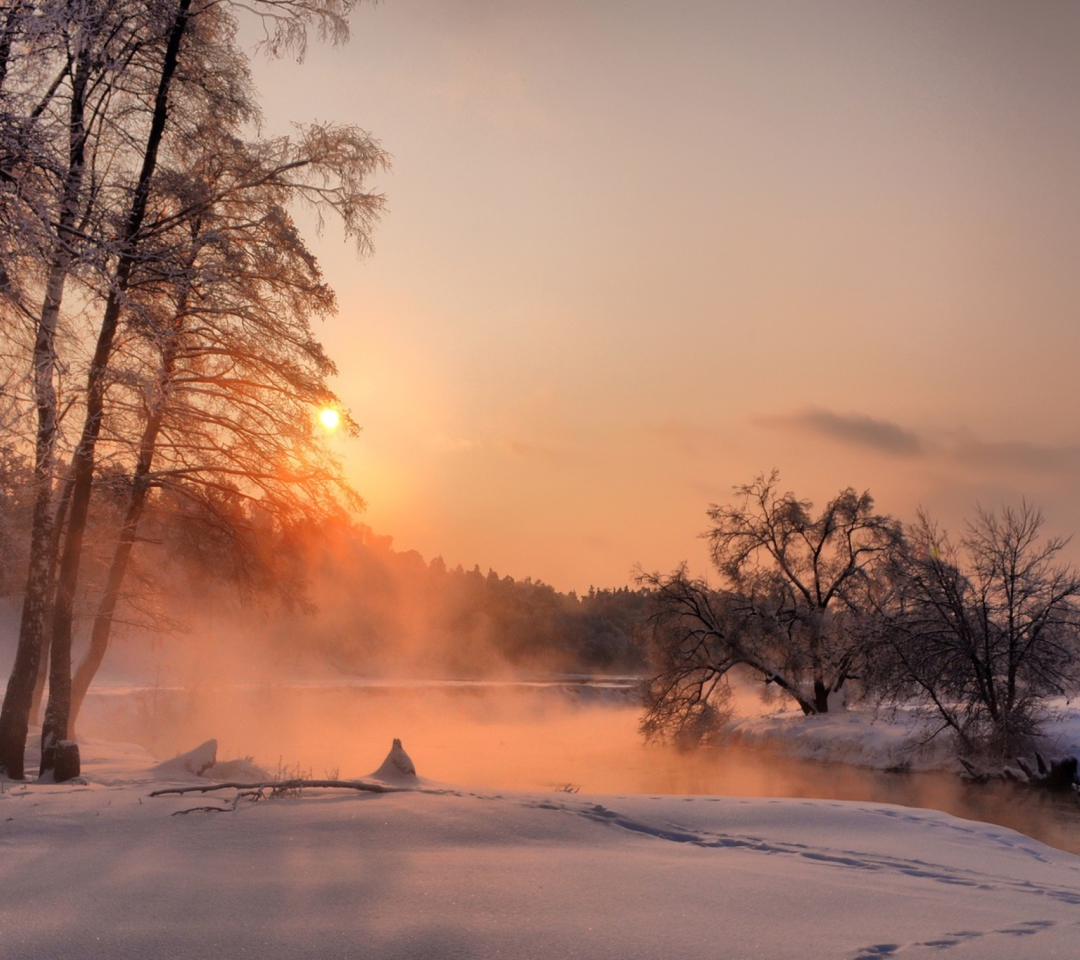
(638, 252)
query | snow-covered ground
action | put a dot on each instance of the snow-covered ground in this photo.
(103, 870)
(883, 740)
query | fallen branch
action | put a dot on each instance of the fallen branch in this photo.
(252, 795)
(281, 786)
(177, 813)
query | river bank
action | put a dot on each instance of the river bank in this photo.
(103, 869)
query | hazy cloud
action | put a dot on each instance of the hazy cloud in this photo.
(1013, 454)
(960, 447)
(858, 431)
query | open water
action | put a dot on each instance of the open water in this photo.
(574, 735)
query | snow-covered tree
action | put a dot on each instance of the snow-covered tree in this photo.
(98, 101)
(795, 589)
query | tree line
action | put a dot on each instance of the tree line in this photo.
(362, 608)
(157, 300)
(468, 623)
(978, 630)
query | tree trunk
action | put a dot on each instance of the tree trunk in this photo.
(57, 714)
(821, 688)
(103, 619)
(140, 489)
(791, 689)
(821, 697)
(15, 715)
(39, 683)
(46, 639)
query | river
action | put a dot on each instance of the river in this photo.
(576, 736)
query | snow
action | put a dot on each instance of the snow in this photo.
(238, 771)
(194, 763)
(894, 740)
(397, 769)
(201, 763)
(856, 736)
(103, 870)
(1062, 733)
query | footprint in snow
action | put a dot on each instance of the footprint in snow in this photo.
(1024, 928)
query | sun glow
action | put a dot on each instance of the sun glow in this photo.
(329, 418)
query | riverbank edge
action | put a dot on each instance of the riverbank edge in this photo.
(899, 740)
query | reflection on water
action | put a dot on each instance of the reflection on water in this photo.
(527, 737)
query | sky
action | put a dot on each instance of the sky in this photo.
(636, 254)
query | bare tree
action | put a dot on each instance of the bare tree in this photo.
(984, 630)
(795, 591)
(198, 50)
(695, 635)
(90, 94)
(226, 371)
(50, 129)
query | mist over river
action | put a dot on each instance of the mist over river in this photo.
(577, 734)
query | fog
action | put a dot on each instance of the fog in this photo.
(324, 692)
(337, 600)
(521, 736)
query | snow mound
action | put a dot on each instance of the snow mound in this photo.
(111, 763)
(397, 767)
(194, 763)
(240, 771)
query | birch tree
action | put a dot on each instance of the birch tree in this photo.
(235, 375)
(93, 91)
(51, 128)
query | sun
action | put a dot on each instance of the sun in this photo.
(329, 418)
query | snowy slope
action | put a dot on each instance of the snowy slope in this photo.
(102, 870)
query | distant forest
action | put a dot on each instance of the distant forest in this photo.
(373, 610)
(333, 593)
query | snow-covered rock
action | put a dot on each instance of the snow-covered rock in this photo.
(194, 763)
(397, 768)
